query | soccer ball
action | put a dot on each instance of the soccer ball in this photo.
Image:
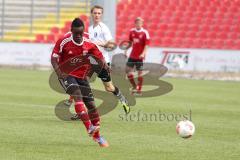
(185, 129)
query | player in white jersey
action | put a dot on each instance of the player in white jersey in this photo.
(100, 34)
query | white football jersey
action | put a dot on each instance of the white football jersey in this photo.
(100, 33)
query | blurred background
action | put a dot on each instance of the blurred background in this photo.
(186, 35)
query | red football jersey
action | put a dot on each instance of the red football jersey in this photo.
(139, 38)
(71, 56)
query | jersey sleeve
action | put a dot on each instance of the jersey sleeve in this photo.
(56, 50)
(107, 34)
(96, 52)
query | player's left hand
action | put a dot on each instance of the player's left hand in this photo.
(110, 46)
(142, 56)
(105, 66)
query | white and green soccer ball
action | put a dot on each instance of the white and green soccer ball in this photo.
(185, 129)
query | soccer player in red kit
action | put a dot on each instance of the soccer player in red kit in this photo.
(139, 38)
(71, 61)
(69, 101)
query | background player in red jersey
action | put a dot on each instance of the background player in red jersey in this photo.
(139, 37)
(69, 101)
(70, 60)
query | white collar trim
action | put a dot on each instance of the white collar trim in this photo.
(140, 30)
(76, 42)
(98, 25)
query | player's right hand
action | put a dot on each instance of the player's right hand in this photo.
(125, 54)
(61, 75)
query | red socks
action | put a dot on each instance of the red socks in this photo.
(131, 79)
(82, 113)
(94, 117)
(140, 80)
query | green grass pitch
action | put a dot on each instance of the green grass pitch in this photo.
(29, 129)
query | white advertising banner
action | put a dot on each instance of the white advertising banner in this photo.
(195, 59)
(26, 54)
(201, 60)
(176, 59)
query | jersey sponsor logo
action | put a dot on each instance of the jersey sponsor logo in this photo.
(75, 60)
(136, 40)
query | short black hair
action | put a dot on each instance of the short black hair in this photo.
(77, 22)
